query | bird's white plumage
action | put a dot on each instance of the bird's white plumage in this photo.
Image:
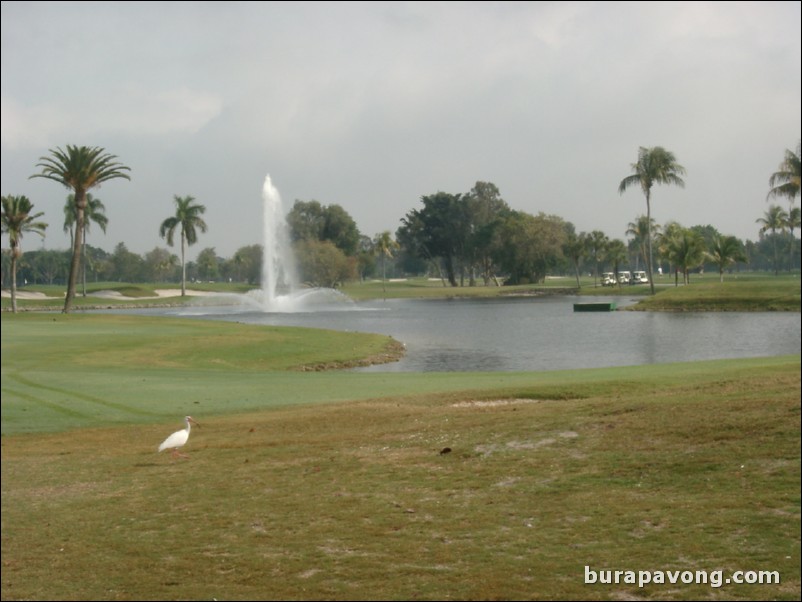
(178, 438)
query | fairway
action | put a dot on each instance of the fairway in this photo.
(310, 484)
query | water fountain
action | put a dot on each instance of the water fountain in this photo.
(280, 290)
(278, 261)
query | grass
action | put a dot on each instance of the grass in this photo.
(746, 291)
(767, 295)
(334, 485)
(433, 288)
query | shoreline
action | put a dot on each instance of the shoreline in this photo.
(109, 294)
(161, 294)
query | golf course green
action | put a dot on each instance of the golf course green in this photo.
(304, 481)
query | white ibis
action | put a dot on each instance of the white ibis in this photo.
(178, 438)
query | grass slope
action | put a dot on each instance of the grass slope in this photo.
(779, 295)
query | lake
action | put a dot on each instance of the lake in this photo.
(533, 333)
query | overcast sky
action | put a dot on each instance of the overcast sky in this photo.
(372, 105)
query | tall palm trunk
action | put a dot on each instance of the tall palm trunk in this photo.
(649, 238)
(776, 260)
(384, 280)
(15, 253)
(183, 264)
(75, 263)
(83, 266)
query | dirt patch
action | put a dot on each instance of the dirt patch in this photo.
(490, 403)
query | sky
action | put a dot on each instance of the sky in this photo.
(373, 105)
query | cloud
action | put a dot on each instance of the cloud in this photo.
(29, 126)
(372, 105)
(138, 110)
(131, 110)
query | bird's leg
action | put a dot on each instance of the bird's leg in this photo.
(178, 454)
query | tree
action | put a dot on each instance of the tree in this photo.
(125, 266)
(323, 264)
(774, 220)
(640, 230)
(188, 220)
(686, 250)
(306, 221)
(458, 232)
(724, 251)
(793, 219)
(616, 254)
(309, 220)
(385, 246)
(655, 165)
(531, 246)
(48, 265)
(485, 212)
(366, 257)
(341, 229)
(670, 231)
(208, 264)
(430, 233)
(785, 181)
(79, 168)
(16, 220)
(95, 212)
(159, 265)
(576, 248)
(792, 222)
(248, 263)
(597, 242)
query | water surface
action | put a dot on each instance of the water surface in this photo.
(536, 333)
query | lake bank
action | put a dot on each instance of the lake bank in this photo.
(758, 292)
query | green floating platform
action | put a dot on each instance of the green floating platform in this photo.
(594, 306)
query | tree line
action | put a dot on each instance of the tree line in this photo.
(462, 238)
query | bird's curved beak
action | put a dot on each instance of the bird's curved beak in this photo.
(195, 422)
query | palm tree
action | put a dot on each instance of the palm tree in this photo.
(95, 212)
(616, 253)
(793, 220)
(655, 165)
(80, 168)
(792, 223)
(686, 250)
(639, 231)
(774, 219)
(575, 248)
(785, 181)
(385, 245)
(188, 218)
(17, 219)
(670, 231)
(597, 242)
(723, 251)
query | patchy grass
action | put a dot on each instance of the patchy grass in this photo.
(358, 501)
